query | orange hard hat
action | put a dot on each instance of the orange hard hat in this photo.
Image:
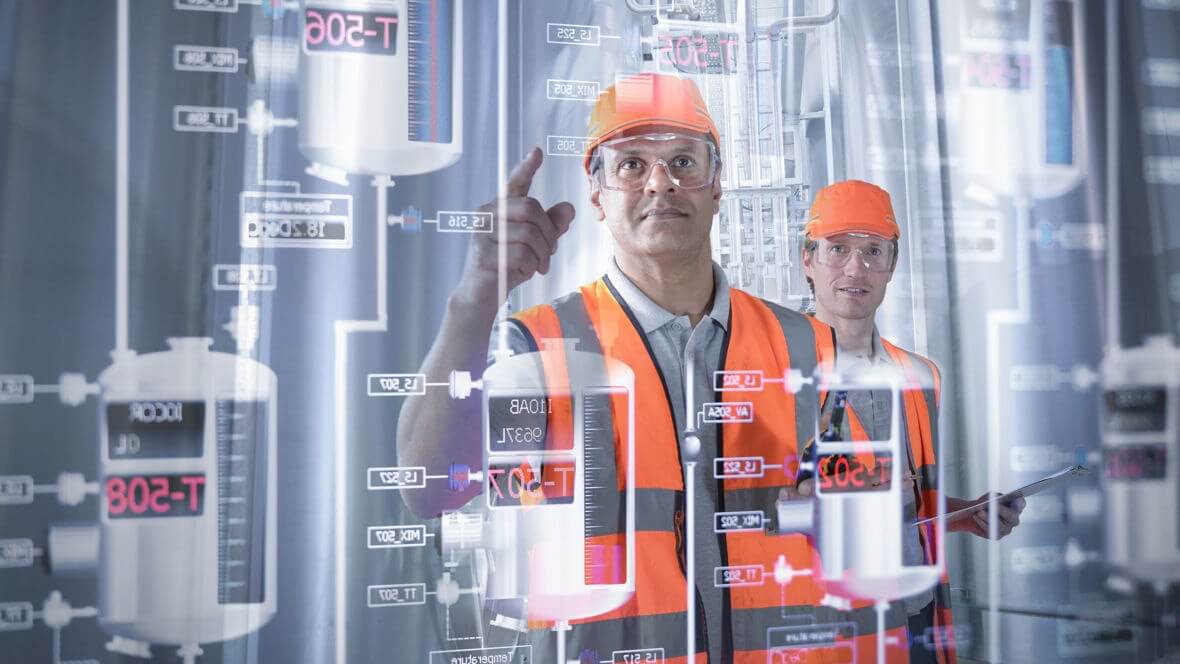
(852, 206)
(638, 100)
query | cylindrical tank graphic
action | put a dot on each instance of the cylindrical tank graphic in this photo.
(559, 470)
(187, 464)
(1019, 95)
(1140, 450)
(859, 490)
(381, 85)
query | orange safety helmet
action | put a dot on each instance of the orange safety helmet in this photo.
(852, 206)
(636, 100)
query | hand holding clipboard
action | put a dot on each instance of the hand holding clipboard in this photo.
(1056, 479)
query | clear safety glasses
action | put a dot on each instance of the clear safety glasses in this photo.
(627, 162)
(876, 256)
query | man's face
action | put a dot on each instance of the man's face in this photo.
(850, 291)
(660, 218)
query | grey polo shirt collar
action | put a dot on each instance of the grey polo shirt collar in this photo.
(847, 361)
(652, 316)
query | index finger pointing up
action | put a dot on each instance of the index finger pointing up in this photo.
(521, 177)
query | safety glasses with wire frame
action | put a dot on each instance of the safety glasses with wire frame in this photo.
(626, 163)
(876, 256)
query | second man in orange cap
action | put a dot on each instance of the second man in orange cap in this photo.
(849, 253)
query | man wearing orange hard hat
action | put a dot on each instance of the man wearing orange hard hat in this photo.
(849, 252)
(666, 310)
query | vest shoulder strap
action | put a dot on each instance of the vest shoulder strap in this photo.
(916, 366)
(565, 318)
(811, 344)
(539, 323)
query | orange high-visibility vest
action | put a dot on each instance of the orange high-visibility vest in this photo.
(759, 618)
(921, 434)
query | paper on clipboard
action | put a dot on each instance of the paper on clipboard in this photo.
(1056, 479)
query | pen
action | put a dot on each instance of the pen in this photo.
(905, 478)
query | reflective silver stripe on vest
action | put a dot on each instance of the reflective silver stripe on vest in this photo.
(800, 341)
(753, 499)
(928, 474)
(655, 510)
(575, 322)
(942, 596)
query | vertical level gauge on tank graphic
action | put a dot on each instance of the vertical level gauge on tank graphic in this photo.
(187, 461)
(381, 85)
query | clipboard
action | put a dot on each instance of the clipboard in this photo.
(1045, 483)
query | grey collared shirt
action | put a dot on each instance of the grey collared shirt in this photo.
(678, 345)
(874, 408)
